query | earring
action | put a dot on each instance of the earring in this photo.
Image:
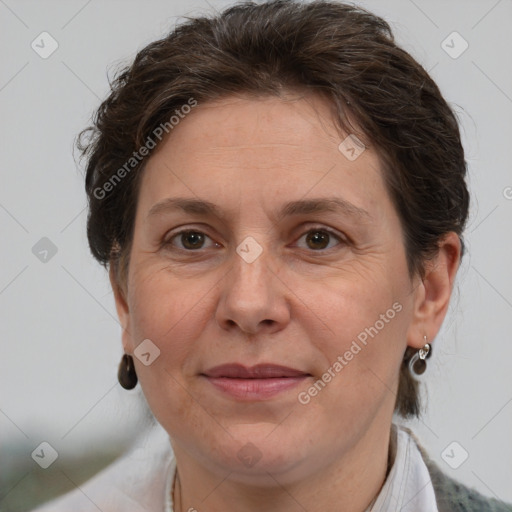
(418, 363)
(126, 372)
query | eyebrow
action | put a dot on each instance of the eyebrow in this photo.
(199, 207)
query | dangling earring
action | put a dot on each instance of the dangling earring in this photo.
(418, 363)
(126, 372)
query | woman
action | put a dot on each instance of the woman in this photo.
(279, 196)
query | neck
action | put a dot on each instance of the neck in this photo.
(350, 484)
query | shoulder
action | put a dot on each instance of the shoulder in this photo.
(452, 496)
(135, 482)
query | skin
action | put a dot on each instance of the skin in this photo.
(296, 305)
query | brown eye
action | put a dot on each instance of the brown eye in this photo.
(320, 239)
(190, 240)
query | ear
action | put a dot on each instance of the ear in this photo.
(433, 292)
(123, 311)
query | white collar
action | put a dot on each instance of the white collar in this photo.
(408, 487)
(171, 475)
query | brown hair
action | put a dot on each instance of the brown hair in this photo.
(339, 51)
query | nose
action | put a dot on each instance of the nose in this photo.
(253, 298)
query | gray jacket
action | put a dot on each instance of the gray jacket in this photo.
(452, 496)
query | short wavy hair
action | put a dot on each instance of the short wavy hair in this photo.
(341, 52)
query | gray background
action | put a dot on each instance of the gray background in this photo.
(59, 333)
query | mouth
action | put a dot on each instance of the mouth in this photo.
(258, 382)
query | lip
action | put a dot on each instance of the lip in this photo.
(259, 371)
(258, 382)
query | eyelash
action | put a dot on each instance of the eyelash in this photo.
(168, 242)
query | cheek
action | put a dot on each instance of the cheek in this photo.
(368, 314)
(171, 313)
(162, 303)
(354, 303)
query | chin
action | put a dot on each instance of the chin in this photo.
(251, 454)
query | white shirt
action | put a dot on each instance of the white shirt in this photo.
(141, 481)
(408, 487)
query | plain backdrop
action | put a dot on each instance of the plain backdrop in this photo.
(60, 339)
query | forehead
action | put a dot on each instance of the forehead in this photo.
(241, 123)
(239, 149)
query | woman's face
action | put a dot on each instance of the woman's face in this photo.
(295, 259)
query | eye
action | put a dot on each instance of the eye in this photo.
(319, 239)
(190, 240)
